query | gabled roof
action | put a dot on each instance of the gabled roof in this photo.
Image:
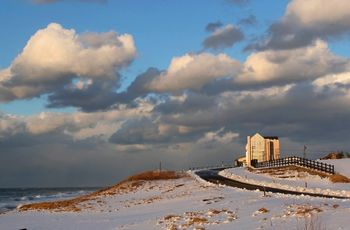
(271, 137)
(266, 137)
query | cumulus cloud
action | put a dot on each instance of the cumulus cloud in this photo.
(192, 71)
(180, 130)
(290, 66)
(302, 112)
(305, 21)
(90, 96)
(223, 37)
(218, 136)
(55, 56)
(212, 26)
(78, 125)
(199, 103)
(152, 130)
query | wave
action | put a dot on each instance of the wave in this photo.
(12, 198)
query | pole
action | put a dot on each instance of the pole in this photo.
(305, 151)
(160, 166)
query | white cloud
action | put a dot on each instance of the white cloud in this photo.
(219, 136)
(78, 125)
(333, 79)
(290, 65)
(319, 13)
(193, 71)
(306, 21)
(54, 56)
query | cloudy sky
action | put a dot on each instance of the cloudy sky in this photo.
(94, 90)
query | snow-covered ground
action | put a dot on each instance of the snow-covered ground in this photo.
(342, 166)
(296, 181)
(188, 203)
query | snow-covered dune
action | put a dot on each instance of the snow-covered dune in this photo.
(183, 203)
(341, 166)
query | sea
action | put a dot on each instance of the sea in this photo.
(10, 198)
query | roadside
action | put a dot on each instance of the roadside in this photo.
(214, 177)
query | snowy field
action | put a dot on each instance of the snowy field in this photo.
(188, 203)
(296, 181)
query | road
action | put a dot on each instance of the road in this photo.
(214, 177)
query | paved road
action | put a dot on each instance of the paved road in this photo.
(214, 177)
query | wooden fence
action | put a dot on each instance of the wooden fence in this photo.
(299, 161)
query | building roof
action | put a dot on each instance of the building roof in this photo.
(271, 137)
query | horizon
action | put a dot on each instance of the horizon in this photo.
(94, 91)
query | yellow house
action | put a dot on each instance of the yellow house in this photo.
(262, 148)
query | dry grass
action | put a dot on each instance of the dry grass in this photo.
(286, 172)
(333, 156)
(302, 210)
(280, 171)
(312, 222)
(338, 178)
(128, 185)
(263, 210)
(305, 211)
(169, 217)
(198, 219)
(157, 175)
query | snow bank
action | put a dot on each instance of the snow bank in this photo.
(309, 184)
(341, 166)
(193, 174)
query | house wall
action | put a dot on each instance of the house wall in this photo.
(276, 149)
(258, 148)
(261, 149)
(248, 150)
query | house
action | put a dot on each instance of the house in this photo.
(262, 148)
(240, 161)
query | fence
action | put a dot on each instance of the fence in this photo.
(328, 168)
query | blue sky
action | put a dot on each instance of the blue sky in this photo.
(117, 86)
(161, 29)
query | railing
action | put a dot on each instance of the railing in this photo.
(317, 165)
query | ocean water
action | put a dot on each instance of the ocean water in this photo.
(10, 198)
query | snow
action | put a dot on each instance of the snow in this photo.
(294, 181)
(342, 166)
(188, 203)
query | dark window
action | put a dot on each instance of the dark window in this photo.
(271, 151)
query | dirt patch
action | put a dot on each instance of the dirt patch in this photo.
(170, 217)
(213, 200)
(338, 178)
(302, 210)
(333, 156)
(198, 219)
(128, 185)
(263, 210)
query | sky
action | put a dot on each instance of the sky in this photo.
(92, 91)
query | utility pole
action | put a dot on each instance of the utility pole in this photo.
(160, 166)
(305, 151)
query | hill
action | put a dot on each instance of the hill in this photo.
(173, 200)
